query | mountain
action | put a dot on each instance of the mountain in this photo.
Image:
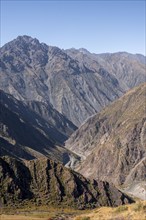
(34, 129)
(112, 143)
(45, 182)
(77, 86)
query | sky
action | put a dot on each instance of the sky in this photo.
(98, 26)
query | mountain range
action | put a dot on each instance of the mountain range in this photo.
(77, 83)
(75, 108)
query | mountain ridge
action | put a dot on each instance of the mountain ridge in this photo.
(45, 182)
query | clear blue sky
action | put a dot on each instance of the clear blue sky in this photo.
(99, 26)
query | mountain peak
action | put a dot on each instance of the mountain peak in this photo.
(27, 40)
(22, 42)
(84, 51)
(25, 37)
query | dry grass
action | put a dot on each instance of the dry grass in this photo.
(135, 211)
(37, 213)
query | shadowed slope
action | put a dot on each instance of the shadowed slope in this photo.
(32, 130)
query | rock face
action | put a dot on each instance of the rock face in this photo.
(43, 182)
(32, 130)
(112, 144)
(77, 86)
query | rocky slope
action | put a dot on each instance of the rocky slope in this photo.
(77, 86)
(44, 182)
(112, 144)
(32, 130)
